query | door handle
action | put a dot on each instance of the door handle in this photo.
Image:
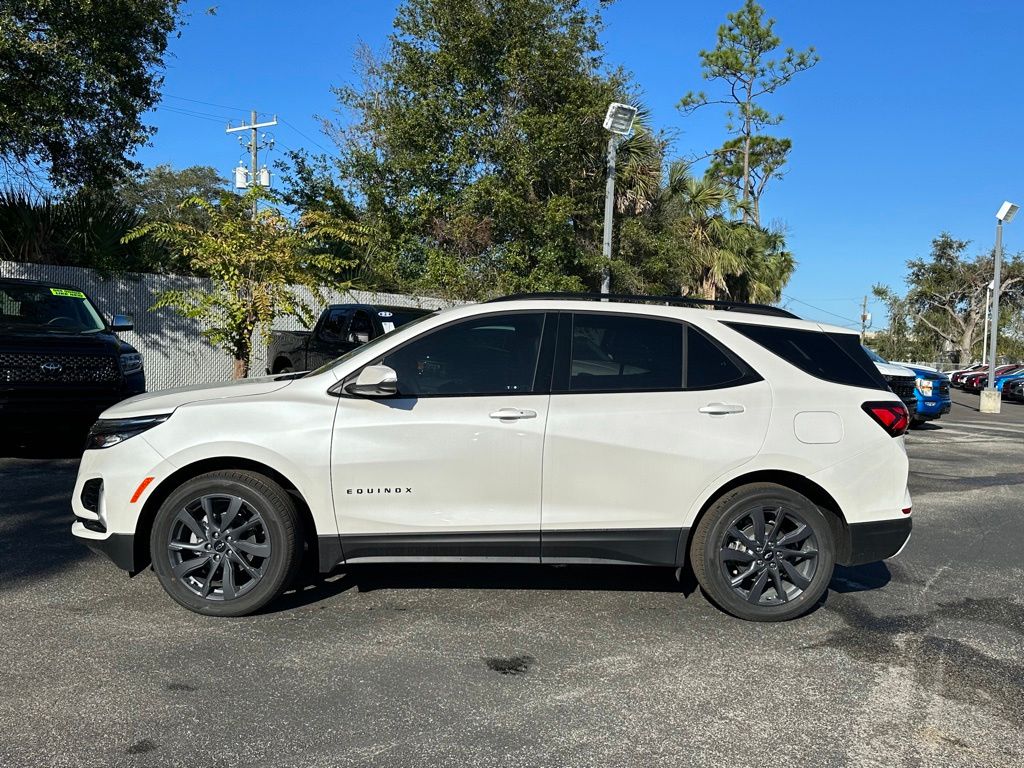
(513, 414)
(721, 409)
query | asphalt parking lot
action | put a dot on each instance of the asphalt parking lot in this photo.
(919, 661)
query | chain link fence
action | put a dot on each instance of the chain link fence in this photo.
(175, 351)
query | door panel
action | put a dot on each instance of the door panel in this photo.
(438, 465)
(638, 459)
(450, 467)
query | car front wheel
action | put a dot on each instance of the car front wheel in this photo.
(764, 552)
(226, 543)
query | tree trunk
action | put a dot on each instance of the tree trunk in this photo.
(241, 368)
(746, 151)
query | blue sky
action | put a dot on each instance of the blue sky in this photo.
(910, 125)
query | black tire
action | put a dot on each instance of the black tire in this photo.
(734, 563)
(283, 368)
(226, 543)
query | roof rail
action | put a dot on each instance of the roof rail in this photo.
(682, 301)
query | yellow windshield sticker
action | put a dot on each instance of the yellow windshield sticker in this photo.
(66, 292)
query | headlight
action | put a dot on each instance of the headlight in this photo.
(131, 362)
(925, 386)
(108, 432)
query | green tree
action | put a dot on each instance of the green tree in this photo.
(159, 191)
(77, 77)
(689, 244)
(258, 267)
(84, 229)
(742, 61)
(477, 150)
(944, 306)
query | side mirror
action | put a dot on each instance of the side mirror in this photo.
(374, 381)
(122, 323)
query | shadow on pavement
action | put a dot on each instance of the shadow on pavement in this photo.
(860, 578)
(369, 578)
(35, 521)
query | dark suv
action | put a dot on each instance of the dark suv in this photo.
(61, 363)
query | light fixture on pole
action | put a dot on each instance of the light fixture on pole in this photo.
(990, 399)
(619, 122)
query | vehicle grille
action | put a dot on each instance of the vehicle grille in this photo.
(36, 368)
(942, 388)
(904, 387)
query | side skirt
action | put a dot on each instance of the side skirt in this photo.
(645, 546)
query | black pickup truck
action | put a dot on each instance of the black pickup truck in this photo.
(340, 329)
(61, 362)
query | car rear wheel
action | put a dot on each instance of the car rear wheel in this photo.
(763, 552)
(226, 543)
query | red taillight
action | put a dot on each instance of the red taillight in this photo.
(894, 418)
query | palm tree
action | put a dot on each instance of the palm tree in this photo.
(638, 164)
(767, 267)
(707, 242)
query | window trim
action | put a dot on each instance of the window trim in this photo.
(562, 373)
(541, 375)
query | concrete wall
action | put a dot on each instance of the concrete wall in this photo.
(175, 351)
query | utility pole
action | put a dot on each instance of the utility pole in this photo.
(254, 147)
(865, 319)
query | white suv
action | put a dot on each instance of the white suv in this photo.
(756, 447)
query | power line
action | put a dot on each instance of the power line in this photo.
(207, 103)
(849, 321)
(189, 113)
(307, 138)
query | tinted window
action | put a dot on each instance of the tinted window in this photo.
(617, 353)
(708, 366)
(835, 357)
(334, 324)
(361, 328)
(493, 355)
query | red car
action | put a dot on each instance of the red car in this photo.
(975, 382)
(956, 378)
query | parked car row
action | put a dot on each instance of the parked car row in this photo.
(975, 378)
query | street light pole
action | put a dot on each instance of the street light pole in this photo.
(990, 398)
(609, 213)
(619, 122)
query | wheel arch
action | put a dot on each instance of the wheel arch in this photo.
(818, 495)
(201, 467)
(281, 361)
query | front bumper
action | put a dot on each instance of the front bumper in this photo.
(107, 513)
(119, 547)
(877, 540)
(32, 409)
(931, 408)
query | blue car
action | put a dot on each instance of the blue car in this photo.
(932, 393)
(1001, 380)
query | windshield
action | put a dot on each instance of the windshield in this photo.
(362, 348)
(875, 356)
(399, 316)
(39, 308)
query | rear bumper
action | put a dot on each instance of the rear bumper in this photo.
(870, 542)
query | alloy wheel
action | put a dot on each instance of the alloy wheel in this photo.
(219, 547)
(769, 554)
